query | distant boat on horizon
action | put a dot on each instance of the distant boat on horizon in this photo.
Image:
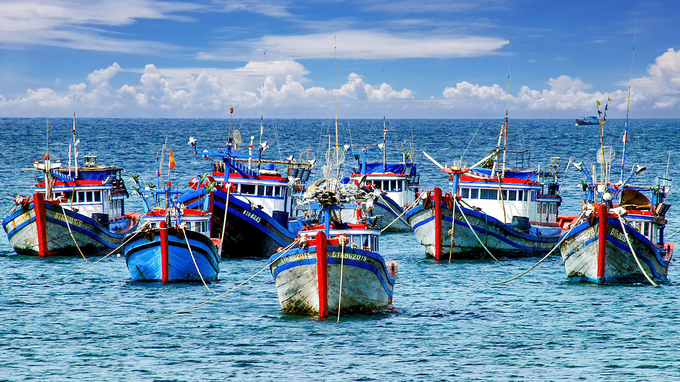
(592, 120)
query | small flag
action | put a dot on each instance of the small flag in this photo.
(609, 99)
(598, 103)
(171, 163)
(231, 110)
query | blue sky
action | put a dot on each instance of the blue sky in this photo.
(401, 59)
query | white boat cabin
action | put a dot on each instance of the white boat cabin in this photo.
(96, 190)
(509, 198)
(193, 220)
(361, 238)
(399, 181)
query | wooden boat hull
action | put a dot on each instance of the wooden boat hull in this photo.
(92, 237)
(367, 284)
(143, 256)
(582, 262)
(499, 238)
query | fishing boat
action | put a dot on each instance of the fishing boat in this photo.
(393, 186)
(260, 199)
(173, 245)
(592, 120)
(74, 210)
(619, 236)
(333, 267)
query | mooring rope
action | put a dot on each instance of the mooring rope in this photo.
(673, 234)
(551, 251)
(400, 215)
(130, 237)
(473, 231)
(635, 256)
(452, 231)
(341, 239)
(71, 232)
(230, 290)
(194, 259)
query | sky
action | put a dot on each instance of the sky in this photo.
(361, 58)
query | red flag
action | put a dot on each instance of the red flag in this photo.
(171, 163)
(231, 110)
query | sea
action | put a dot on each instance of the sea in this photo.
(449, 322)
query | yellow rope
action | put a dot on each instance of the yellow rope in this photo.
(625, 234)
(230, 290)
(549, 253)
(224, 217)
(71, 232)
(342, 265)
(475, 233)
(194, 259)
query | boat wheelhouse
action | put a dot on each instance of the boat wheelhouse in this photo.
(396, 185)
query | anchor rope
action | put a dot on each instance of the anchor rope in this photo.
(194, 259)
(341, 239)
(635, 256)
(549, 253)
(71, 232)
(130, 237)
(473, 231)
(286, 249)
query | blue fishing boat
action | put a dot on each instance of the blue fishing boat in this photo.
(333, 267)
(592, 120)
(258, 199)
(73, 211)
(393, 186)
(619, 236)
(173, 245)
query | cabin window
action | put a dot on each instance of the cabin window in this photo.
(68, 195)
(645, 227)
(277, 191)
(504, 194)
(465, 193)
(393, 185)
(488, 194)
(260, 190)
(97, 196)
(269, 191)
(512, 195)
(88, 196)
(533, 196)
(81, 196)
(474, 193)
(543, 208)
(248, 189)
(153, 225)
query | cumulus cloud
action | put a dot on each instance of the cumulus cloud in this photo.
(285, 91)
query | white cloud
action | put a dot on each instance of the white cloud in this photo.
(360, 45)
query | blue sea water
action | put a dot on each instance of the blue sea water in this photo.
(449, 322)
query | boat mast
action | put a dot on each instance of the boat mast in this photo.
(384, 145)
(625, 130)
(46, 165)
(75, 140)
(264, 66)
(507, 107)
